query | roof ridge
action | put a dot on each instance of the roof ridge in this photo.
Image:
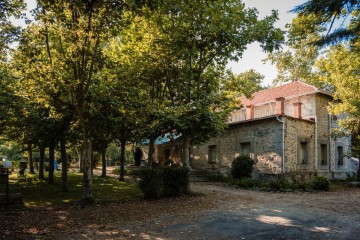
(287, 90)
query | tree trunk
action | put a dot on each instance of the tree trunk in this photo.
(186, 147)
(358, 172)
(86, 162)
(31, 163)
(51, 163)
(92, 162)
(41, 163)
(64, 163)
(122, 159)
(103, 160)
(81, 165)
(151, 151)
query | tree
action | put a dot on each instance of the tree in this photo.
(237, 85)
(332, 14)
(74, 32)
(339, 68)
(8, 32)
(204, 36)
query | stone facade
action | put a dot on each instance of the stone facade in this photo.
(296, 126)
(296, 132)
(264, 144)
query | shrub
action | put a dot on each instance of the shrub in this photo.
(170, 182)
(151, 183)
(218, 178)
(247, 183)
(321, 183)
(116, 170)
(280, 185)
(302, 186)
(176, 181)
(134, 172)
(242, 167)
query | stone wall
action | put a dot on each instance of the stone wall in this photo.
(326, 126)
(323, 133)
(264, 136)
(296, 131)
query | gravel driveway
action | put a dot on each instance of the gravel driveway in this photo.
(242, 214)
(214, 212)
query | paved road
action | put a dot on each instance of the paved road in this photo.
(241, 214)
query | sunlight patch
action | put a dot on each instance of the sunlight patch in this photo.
(320, 229)
(275, 220)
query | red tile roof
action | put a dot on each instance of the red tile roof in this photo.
(286, 91)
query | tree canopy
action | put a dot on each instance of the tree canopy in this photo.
(339, 20)
(128, 70)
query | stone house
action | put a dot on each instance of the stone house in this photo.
(286, 130)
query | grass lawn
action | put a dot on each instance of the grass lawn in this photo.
(39, 192)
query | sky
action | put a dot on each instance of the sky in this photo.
(253, 56)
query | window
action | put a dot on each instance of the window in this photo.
(323, 154)
(340, 155)
(245, 148)
(212, 154)
(303, 152)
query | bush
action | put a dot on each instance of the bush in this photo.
(176, 181)
(242, 167)
(169, 182)
(247, 183)
(321, 183)
(280, 185)
(116, 170)
(151, 183)
(303, 186)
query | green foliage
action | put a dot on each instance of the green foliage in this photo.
(113, 152)
(342, 62)
(321, 183)
(134, 172)
(8, 32)
(280, 185)
(176, 182)
(151, 183)
(218, 178)
(331, 14)
(87, 78)
(169, 182)
(242, 167)
(246, 83)
(246, 183)
(10, 150)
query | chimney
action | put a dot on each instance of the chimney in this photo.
(279, 108)
(297, 109)
(249, 112)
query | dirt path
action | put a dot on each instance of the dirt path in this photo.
(215, 212)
